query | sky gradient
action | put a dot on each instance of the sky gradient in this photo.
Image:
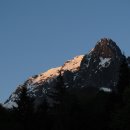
(36, 35)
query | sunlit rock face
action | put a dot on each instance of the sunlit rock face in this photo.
(39, 85)
(99, 68)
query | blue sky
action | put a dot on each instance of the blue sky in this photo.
(36, 35)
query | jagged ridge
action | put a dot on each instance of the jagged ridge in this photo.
(40, 84)
(99, 68)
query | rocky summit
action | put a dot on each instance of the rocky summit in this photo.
(99, 69)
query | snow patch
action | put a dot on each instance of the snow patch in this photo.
(30, 88)
(44, 90)
(104, 62)
(74, 78)
(10, 105)
(105, 89)
(88, 59)
(14, 96)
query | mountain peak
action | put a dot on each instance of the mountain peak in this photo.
(105, 41)
(106, 48)
(99, 69)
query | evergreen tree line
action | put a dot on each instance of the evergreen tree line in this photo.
(73, 108)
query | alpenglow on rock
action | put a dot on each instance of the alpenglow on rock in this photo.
(99, 68)
(39, 85)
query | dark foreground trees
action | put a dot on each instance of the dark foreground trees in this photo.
(100, 112)
(73, 108)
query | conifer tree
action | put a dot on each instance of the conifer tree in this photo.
(58, 92)
(42, 120)
(123, 76)
(24, 112)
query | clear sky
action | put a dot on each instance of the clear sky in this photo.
(36, 35)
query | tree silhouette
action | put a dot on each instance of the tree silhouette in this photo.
(24, 112)
(123, 76)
